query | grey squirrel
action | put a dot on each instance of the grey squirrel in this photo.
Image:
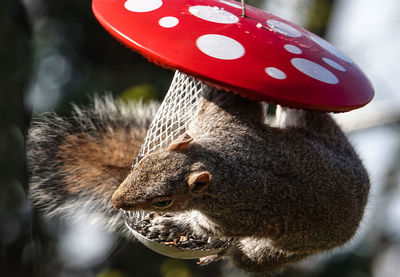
(282, 193)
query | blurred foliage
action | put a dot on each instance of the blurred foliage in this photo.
(175, 268)
(111, 273)
(319, 15)
(15, 58)
(255, 3)
(75, 56)
(143, 92)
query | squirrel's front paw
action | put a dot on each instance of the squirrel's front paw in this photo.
(167, 228)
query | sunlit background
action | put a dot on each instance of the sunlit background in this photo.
(56, 53)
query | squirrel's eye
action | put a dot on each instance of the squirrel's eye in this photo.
(163, 203)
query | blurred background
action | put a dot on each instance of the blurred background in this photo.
(53, 53)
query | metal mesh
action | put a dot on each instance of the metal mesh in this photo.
(175, 113)
(171, 120)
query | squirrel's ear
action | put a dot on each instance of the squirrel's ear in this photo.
(180, 143)
(198, 182)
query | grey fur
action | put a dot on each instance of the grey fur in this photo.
(283, 193)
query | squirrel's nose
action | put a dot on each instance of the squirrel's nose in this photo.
(121, 197)
(117, 199)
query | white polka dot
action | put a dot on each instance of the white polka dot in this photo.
(293, 49)
(141, 6)
(213, 14)
(330, 48)
(334, 64)
(230, 4)
(314, 70)
(275, 73)
(220, 47)
(168, 22)
(283, 28)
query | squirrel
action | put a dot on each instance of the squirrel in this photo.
(282, 193)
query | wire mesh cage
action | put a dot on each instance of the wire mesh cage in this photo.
(171, 120)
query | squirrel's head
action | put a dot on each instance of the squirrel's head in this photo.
(166, 180)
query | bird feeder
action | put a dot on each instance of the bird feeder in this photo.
(241, 49)
(260, 56)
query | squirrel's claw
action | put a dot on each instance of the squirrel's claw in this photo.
(215, 257)
(208, 259)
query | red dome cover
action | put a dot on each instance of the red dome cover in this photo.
(260, 56)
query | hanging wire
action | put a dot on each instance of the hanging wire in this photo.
(243, 8)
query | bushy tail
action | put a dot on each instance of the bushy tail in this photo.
(76, 163)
